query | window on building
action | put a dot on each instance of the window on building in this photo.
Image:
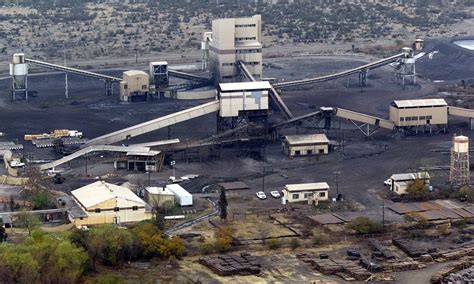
(143, 87)
(308, 195)
(97, 210)
(402, 119)
(322, 194)
(81, 218)
(429, 117)
(321, 151)
(297, 153)
(295, 196)
(135, 208)
(309, 152)
(116, 209)
(125, 86)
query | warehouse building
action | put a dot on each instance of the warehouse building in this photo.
(306, 192)
(234, 40)
(400, 182)
(415, 113)
(134, 86)
(105, 203)
(305, 145)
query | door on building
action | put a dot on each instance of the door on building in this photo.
(116, 220)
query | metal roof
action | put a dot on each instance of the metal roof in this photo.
(420, 103)
(244, 86)
(159, 190)
(233, 185)
(326, 219)
(306, 139)
(134, 73)
(307, 186)
(410, 176)
(146, 154)
(101, 191)
(159, 63)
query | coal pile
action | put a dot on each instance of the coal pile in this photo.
(463, 276)
(449, 61)
(228, 265)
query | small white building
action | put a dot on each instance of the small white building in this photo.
(400, 182)
(305, 145)
(306, 192)
(158, 196)
(105, 203)
(182, 196)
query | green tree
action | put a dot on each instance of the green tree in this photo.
(223, 204)
(364, 225)
(3, 234)
(41, 200)
(106, 279)
(417, 189)
(223, 239)
(28, 220)
(173, 247)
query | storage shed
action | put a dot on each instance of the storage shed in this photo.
(158, 196)
(305, 145)
(400, 182)
(182, 196)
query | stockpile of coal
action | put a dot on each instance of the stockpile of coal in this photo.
(449, 62)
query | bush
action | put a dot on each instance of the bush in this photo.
(106, 279)
(319, 239)
(273, 244)
(364, 225)
(223, 239)
(205, 248)
(294, 243)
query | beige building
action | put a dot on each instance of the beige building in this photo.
(400, 182)
(305, 145)
(409, 113)
(159, 196)
(135, 86)
(105, 203)
(306, 192)
(233, 40)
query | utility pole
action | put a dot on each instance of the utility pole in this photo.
(173, 163)
(65, 77)
(336, 175)
(383, 215)
(263, 179)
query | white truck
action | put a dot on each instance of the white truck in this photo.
(75, 133)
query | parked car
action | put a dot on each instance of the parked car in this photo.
(261, 195)
(275, 194)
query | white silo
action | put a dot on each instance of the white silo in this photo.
(459, 174)
(19, 74)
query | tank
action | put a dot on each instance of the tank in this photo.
(461, 144)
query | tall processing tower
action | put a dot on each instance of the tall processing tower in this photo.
(459, 174)
(234, 40)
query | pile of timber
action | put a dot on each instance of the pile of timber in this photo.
(343, 268)
(409, 247)
(400, 266)
(228, 265)
(459, 272)
(376, 245)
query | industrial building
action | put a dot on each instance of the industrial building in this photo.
(243, 100)
(415, 113)
(134, 86)
(400, 182)
(159, 74)
(234, 40)
(105, 203)
(146, 161)
(305, 145)
(159, 196)
(306, 192)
